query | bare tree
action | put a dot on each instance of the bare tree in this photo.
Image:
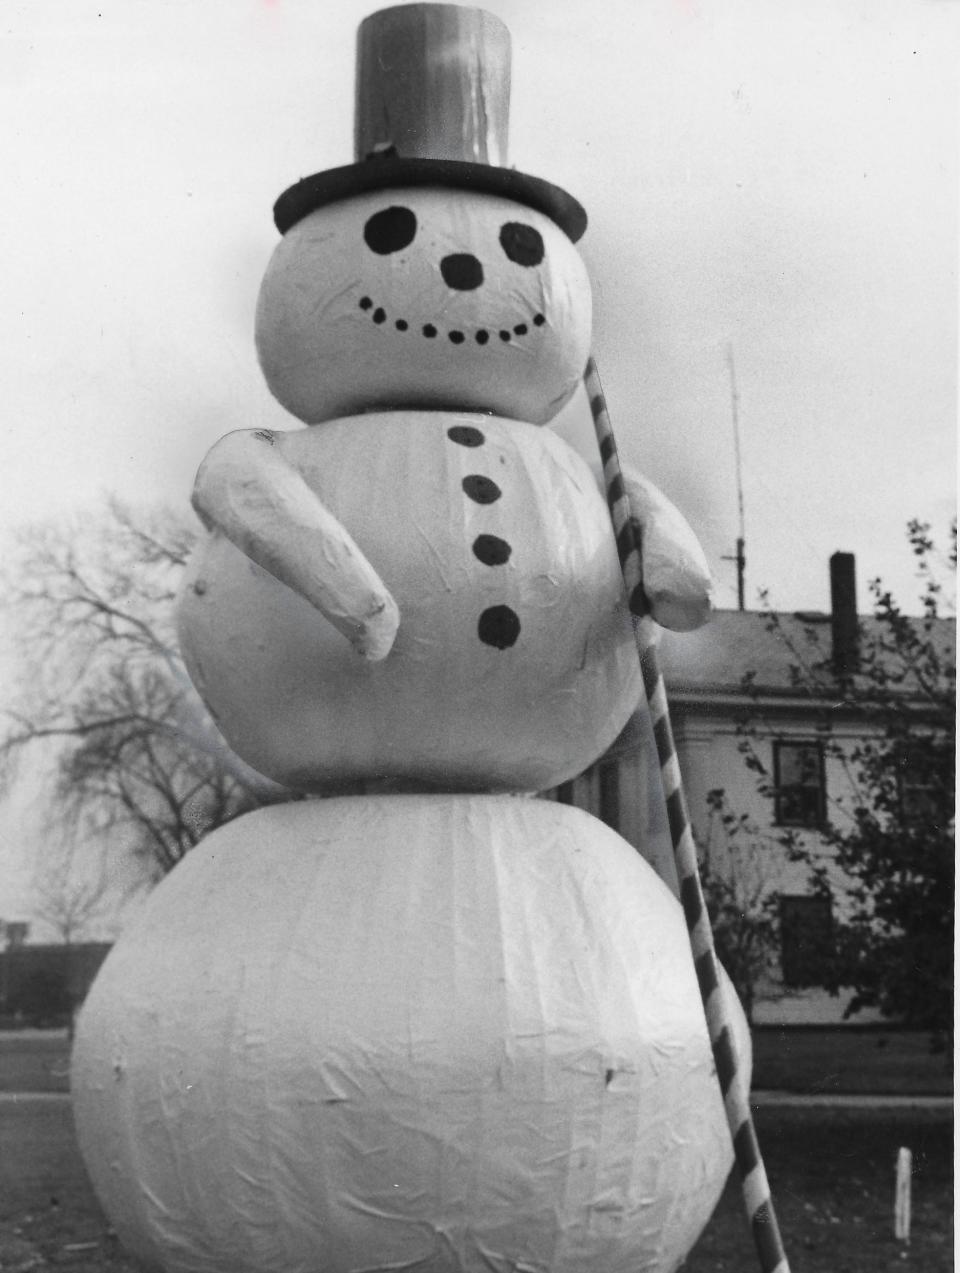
(74, 892)
(105, 707)
(71, 887)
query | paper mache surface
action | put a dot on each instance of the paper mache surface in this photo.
(421, 1032)
(447, 708)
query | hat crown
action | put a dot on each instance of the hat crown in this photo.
(433, 82)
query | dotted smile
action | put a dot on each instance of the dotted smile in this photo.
(455, 336)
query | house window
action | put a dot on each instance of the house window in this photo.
(799, 784)
(806, 940)
(918, 773)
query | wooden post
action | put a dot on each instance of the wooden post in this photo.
(901, 1205)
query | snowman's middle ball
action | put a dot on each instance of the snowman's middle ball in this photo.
(424, 298)
(514, 665)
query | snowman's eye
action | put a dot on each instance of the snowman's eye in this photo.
(522, 243)
(390, 230)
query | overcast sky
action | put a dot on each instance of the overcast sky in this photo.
(780, 179)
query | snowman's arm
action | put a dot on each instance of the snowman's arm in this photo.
(676, 577)
(247, 490)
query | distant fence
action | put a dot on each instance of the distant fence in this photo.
(44, 985)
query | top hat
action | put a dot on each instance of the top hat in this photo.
(432, 109)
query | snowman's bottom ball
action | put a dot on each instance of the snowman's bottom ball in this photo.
(437, 1033)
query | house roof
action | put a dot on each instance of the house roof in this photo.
(735, 643)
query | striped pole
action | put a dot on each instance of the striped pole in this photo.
(736, 1101)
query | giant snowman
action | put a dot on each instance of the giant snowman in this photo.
(430, 1025)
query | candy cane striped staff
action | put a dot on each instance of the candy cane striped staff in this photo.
(753, 1176)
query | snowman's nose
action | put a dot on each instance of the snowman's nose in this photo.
(462, 271)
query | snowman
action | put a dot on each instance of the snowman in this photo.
(425, 1025)
(420, 590)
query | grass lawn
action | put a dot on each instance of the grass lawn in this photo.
(832, 1172)
(34, 1061)
(813, 1060)
(49, 1216)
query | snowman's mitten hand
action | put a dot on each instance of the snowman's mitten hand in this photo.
(248, 491)
(373, 638)
(676, 577)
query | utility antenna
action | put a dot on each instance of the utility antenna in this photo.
(740, 558)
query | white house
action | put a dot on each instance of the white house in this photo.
(706, 674)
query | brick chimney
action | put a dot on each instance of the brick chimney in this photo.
(843, 613)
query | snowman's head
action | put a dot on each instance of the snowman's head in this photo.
(424, 297)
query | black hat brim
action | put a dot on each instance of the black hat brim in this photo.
(381, 172)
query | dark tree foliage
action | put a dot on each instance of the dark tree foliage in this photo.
(105, 710)
(886, 850)
(736, 877)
